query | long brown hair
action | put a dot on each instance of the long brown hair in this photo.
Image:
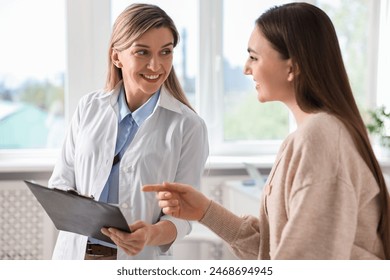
(305, 34)
(132, 23)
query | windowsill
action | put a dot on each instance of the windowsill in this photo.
(36, 161)
(237, 162)
(43, 161)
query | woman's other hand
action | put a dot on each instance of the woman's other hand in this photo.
(132, 243)
(142, 234)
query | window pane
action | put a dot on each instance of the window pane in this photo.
(184, 15)
(352, 20)
(244, 117)
(383, 93)
(32, 67)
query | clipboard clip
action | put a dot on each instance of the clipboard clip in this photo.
(76, 192)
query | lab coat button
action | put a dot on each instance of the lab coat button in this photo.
(124, 205)
(128, 169)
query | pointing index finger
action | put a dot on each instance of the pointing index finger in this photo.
(153, 188)
(166, 186)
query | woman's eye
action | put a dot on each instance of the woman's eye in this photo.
(166, 52)
(252, 58)
(141, 52)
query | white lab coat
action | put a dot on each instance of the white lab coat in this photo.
(171, 145)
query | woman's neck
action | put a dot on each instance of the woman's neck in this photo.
(299, 115)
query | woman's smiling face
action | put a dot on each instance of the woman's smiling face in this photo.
(272, 73)
(147, 63)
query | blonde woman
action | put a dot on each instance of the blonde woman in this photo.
(139, 130)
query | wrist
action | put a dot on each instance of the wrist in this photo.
(205, 209)
(163, 232)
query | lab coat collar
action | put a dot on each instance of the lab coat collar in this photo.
(166, 100)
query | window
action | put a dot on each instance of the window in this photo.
(245, 120)
(238, 123)
(209, 61)
(32, 73)
(356, 24)
(383, 88)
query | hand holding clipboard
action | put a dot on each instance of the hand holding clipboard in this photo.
(73, 212)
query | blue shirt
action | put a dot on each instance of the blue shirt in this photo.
(126, 120)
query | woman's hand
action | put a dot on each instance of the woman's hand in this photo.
(132, 243)
(180, 200)
(142, 234)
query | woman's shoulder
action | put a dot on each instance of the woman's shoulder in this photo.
(100, 96)
(96, 94)
(320, 128)
(320, 134)
(322, 123)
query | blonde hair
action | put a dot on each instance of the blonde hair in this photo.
(132, 23)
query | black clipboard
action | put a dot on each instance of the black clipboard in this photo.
(76, 213)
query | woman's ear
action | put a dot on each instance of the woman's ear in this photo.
(115, 58)
(293, 70)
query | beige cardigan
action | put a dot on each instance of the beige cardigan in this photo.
(320, 202)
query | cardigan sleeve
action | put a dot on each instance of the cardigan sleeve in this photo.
(241, 233)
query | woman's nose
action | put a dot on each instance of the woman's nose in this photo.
(154, 64)
(247, 70)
